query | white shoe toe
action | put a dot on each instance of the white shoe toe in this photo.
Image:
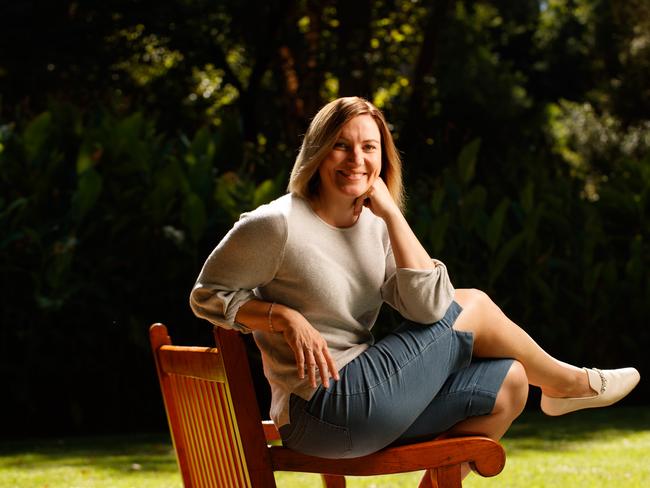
(610, 386)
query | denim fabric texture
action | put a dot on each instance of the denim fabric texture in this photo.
(415, 383)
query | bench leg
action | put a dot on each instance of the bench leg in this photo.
(333, 481)
(445, 477)
(428, 479)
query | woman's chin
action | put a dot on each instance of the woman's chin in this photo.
(354, 192)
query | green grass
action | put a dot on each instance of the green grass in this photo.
(598, 448)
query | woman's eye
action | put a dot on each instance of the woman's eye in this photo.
(370, 147)
(341, 145)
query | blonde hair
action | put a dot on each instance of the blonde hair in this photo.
(321, 136)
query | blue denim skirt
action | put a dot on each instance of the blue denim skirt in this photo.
(416, 383)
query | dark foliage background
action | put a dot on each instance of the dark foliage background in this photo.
(133, 133)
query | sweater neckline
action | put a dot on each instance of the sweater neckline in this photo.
(330, 226)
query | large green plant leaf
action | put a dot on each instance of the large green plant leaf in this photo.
(36, 134)
(438, 232)
(194, 216)
(202, 147)
(264, 193)
(495, 225)
(89, 187)
(503, 256)
(467, 161)
(87, 154)
(200, 159)
(472, 208)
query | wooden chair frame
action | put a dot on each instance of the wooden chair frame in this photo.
(221, 441)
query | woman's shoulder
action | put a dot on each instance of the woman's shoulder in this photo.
(281, 210)
(275, 209)
(268, 220)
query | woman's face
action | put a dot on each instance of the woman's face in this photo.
(354, 163)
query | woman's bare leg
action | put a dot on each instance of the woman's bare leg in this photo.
(509, 404)
(495, 335)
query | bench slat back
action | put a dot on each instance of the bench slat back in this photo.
(200, 413)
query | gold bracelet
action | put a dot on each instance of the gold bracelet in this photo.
(270, 318)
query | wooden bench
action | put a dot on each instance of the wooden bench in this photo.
(221, 441)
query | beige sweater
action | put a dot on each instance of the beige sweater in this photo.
(337, 278)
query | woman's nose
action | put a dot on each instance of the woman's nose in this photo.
(356, 155)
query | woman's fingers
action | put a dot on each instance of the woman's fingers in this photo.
(310, 352)
(323, 370)
(377, 198)
(331, 365)
(310, 365)
(300, 361)
(326, 367)
(359, 203)
(310, 359)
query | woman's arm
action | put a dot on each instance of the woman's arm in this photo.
(307, 344)
(247, 257)
(407, 250)
(419, 288)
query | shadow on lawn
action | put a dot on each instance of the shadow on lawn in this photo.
(135, 453)
(535, 431)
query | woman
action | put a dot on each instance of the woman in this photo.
(307, 275)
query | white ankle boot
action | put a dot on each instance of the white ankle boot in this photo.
(610, 384)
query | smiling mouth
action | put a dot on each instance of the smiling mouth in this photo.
(352, 175)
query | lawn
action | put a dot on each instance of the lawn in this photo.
(598, 448)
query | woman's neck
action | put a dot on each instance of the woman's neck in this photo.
(338, 212)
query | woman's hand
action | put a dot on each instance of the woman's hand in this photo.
(379, 200)
(309, 349)
(307, 344)
(407, 249)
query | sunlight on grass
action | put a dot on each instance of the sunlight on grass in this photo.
(597, 448)
(111, 462)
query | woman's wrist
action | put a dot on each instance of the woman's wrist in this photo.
(393, 215)
(281, 317)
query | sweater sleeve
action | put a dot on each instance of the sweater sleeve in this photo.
(246, 258)
(419, 295)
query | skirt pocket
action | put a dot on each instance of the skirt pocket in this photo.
(310, 435)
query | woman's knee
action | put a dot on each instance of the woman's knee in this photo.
(513, 393)
(475, 305)
(473, 298)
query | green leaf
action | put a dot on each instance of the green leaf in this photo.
(36, 134)
(203, 147)
(546, 296)
(532, 223)
(437, 199)
(131, 127)
(89, 187)
(194, 214)
(132, 143)
(591, 277)
(16, 204)
(467, 161)
(85, 158)
(438, 232)
(504, 255)
(199, 159)
(495, 225)
(264, 193)
(634, 268)
(472, 207)
(528, 197)
(168, 188)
